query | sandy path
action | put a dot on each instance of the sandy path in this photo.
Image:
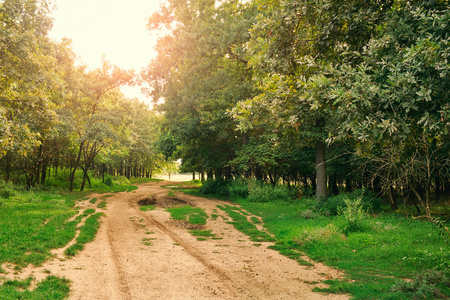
(146, 255)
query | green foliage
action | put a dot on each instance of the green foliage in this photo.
(291, 252)
(241, 223)
(426, 285)
(330, 206)
(353, 215)
(202, 235)
(193, 215)
(147, 207)
(215, 186)
(33, 223)
(239, 189)
(263, 192)
(102, 204)
(109, 181)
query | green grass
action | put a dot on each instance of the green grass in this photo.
(241, 223)
(202, 235)
(147, 207)
(187, 187)
(388, 249)
(102, 204)
(52, 288)
(193, 215)
(33, 223)
(87, 234)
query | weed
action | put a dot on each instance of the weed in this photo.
(93, 200)
(148, 241)
(289, 251)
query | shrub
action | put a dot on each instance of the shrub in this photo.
(426, 285)
(215, 186)
(121, 180)
(330, 205)
(263, 192)
(238, 188)
(353, 215)
(109, 181)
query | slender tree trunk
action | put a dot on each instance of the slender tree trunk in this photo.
(193, 175)
(75, 167)
(321, 175)
(44, 173)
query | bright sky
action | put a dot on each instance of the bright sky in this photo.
(115, 28)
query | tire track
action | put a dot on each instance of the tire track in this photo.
(237, 290)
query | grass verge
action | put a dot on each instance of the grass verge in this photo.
(389, 256)
(87, 234)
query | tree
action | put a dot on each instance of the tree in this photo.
(394, 104)
(200, 72)
(291, 46)
(94, 119)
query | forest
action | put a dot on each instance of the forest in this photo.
(323, 97)
(328, 121)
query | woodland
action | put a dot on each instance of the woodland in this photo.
(326, 122)
(319, 96)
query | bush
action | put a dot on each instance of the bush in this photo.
(215, 186)
(353, 215)
(239, 189)
(330, 205)
(109, 181)
(121, 180)
(263, 192)
(7, 190)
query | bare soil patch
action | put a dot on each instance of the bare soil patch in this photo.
(146, 255)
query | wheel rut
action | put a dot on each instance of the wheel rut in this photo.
(234, 288)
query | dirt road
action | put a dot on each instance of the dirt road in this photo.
(146, 255)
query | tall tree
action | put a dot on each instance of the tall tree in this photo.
(200, 72)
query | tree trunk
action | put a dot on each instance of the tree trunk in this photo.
(75, 167)
(321, 175)
(333, 185)
(44, 173)
(193, 175)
